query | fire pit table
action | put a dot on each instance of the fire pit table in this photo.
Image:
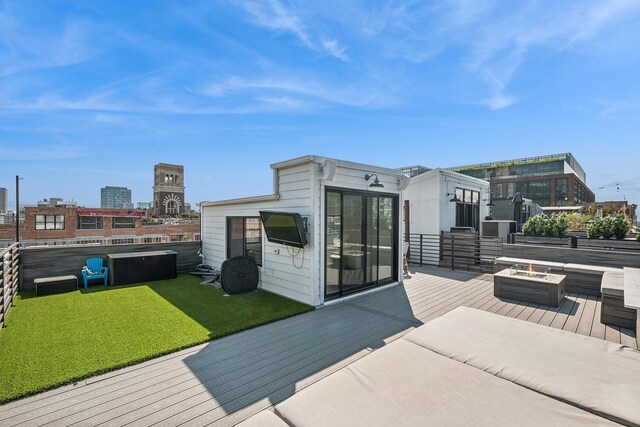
(526, 283)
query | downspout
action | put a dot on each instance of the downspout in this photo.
(276, 184)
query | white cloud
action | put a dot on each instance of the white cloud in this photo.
(334, 48)
(274, 15)
(366, 94)
(29, 49)
(498, 102)
(47, 152)
(282, 101)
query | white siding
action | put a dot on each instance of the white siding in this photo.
(424, 205)
(278, 273)
(430, 208)
(301, 190)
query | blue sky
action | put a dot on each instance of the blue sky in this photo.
(94, 93)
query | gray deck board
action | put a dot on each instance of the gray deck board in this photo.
(588, 316)
(228, 380)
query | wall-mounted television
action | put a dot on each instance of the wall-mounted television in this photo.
(285, 228)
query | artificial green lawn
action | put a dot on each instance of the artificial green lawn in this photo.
(57, 339)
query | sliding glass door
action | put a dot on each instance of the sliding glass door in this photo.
(360, 241)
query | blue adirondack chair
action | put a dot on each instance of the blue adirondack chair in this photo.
(95, 270)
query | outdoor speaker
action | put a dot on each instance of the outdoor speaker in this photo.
(329, 169)
(403, 182)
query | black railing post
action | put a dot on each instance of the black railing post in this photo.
(453, 252)
(421, 236)
(573, 242)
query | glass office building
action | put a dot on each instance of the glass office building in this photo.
(553, 180)
(115, 198)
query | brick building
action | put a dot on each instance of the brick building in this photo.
(168, 190)
(114, 226)
(552, 180)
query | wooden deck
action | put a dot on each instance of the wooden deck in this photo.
(226, 381)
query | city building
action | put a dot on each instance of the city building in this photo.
(4, 200)
(115, 198)
(6, 217)
(552, 180)
(144, 205)
(56, 202)
(61, 225)
(168, 190)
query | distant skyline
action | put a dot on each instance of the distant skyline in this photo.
(93, 94)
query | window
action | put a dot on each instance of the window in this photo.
(123, 222)
(89, 223)
(176, 238)
(123, 241)
(496, 191)
(468, 209)
(244, 237)
(172, 207)
(49, 222)
(153, 239)
(196, 237)
(562, 185)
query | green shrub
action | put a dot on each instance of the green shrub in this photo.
(546, 225)
(579, 221)
(608, 227)
(619, 226)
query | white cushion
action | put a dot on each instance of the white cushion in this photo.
(632, 289)
(403, 384)
(265, 418)
(590, 373)
(613, 283)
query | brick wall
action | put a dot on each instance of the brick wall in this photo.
(175, 232)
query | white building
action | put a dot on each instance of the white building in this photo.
(354, 231)
(440, 199)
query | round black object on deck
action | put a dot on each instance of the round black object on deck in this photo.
(239, 274)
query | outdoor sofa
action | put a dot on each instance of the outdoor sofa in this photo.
(471, 367)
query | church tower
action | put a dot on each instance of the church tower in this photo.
(168, 189)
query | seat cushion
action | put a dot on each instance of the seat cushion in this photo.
(632, 289)
(588, 269)
(404, 384)
(523, 261)
(613, 283)
(599, 376)
(265, 418)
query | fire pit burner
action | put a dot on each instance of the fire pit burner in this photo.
(529, 271)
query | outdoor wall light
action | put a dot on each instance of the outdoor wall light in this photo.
(454, 199)
(375, 183)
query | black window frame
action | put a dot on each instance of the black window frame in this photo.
(123, 225)
(395, 219)
(468, 212)
(245, 251)
(50, 219)
(98, 219)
